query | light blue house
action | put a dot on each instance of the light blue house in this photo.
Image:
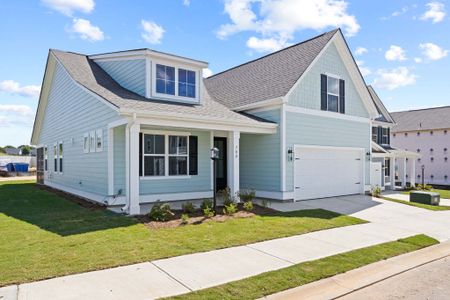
(133, 127)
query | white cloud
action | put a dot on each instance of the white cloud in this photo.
(280, 19)
(395, 53)
(13, 115)
(86, 30)
(186, 2)
(400, 12)
(365, 71)
(152, 32)
(394, 78)
(435, 13)
(266, 45)
(67, 7)
(418, 60)
(432, 51)
(14, 88)
(207, 73)
(361, 51)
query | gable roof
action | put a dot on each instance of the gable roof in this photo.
(422, 119)
(384, 114)
(268, 77)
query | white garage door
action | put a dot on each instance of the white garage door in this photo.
(321, 172)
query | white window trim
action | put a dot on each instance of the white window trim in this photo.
(45, 158)
(55, 158)
(99, 133)
(86, 147)
(175, 97)
(92, 145)
(337, 95)
(166, 155)
(60, 156)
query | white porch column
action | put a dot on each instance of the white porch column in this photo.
(233, 161)
(393, 162)
(133, 192)
(110, 161)
(412, 173)
(402, 171)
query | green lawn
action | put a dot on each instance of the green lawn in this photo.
(420, 205)
(444, 193)
(43, 235)
(300, 274)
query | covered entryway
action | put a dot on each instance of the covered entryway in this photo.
(321, 172)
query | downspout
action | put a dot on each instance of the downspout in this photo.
(127, 132)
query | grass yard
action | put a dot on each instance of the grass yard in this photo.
(419, 205)
(444, 193)
(43, 235)
(276, 281)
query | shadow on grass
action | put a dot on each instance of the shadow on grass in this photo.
(53, 213)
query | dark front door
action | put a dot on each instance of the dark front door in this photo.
(221, 164)
(40, 165)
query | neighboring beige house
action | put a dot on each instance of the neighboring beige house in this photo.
(427, 132)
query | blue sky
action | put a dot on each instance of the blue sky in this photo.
(401, 46)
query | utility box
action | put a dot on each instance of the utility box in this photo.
(423, 197)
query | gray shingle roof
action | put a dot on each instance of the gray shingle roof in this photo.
(384, 114)
(422, 119)
(268, 77)
(93, 77)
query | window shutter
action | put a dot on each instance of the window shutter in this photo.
(389, 136)
(140, 154)
(380, 135)
(323, 92)
(193, 155)
(342, 96)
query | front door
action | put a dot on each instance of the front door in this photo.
(221, 164)
(40, 165)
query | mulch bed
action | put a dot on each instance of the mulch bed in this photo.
(197, 217)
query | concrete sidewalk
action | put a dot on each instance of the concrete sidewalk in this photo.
(343, 285)
(404, 197)
(389, 221)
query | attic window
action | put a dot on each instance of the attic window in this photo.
(165, 80)
(186, 83)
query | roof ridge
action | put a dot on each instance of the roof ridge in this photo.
(427, 108)
(275, 52)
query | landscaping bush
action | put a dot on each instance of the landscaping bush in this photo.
(248, 206)
(425, 187)
(206, 203)
(247, 195)
(184, 218)
(160, 212)
(376, 191)
(188, 208)
(230, 209)
(208, 212)
(228, 199)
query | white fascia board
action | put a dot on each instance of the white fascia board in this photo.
(384, 124)
(197, 122)
(261, 104)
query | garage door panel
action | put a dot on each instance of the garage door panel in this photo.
(326, 172)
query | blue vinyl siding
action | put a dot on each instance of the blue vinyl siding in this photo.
(260, 157)
(128, 73)
(71, 112)
(304, 129)
(119, 159)
(307, 93)
(196, 183)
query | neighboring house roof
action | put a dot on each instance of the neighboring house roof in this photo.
(268, 77)
(91, 76)
(384, 114)
(422, 119)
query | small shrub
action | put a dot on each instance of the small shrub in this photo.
(206, 203)
(227, 197)
(248, 206)
(160, 212)
(208, 212)
(247, 195)
(376, 191)
(188, 207)
(230, 209)
(184, 218)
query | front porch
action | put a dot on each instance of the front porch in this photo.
(171, 162)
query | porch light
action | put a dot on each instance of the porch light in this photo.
(215, 158)
(368, 155)
(290, 154)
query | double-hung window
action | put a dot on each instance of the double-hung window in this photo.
(60, 149)
(178, 155)
(385, 136)
(154, 155)
(45, 158)
(332, 94)
(55, 159)
(186, 83)
(165, 79)
(375, 134)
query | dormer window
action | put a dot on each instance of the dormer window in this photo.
(165, 80)
(186, 83)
